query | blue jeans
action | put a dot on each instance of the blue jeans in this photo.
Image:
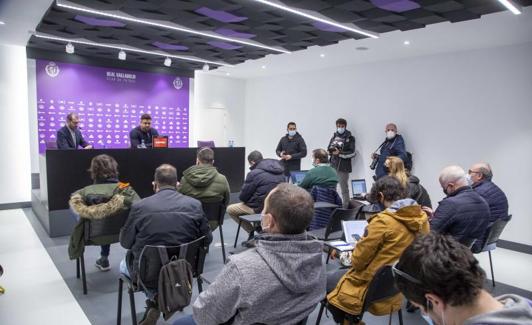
(150, 294)
(186, 320)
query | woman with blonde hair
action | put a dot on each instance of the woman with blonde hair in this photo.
(395, 167)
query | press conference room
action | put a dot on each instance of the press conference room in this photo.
(265, 162)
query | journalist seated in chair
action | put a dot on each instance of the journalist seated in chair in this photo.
(322, 174)
(278, 282)
(443, 278)
(388, 233)
(203, 181)
(321, 181)
(481, 178)
(394, 166)
(166, 218)
(107, 197)
(264, 175)
(463, 213)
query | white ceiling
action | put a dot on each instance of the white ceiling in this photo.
(20, 17)
(493, 30)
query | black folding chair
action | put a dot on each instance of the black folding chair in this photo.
(149, 266)
(495, 232)
(253, 219)
(215, 211)
(381, 287)
(101, 231)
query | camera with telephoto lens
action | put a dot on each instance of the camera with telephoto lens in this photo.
(374, 162)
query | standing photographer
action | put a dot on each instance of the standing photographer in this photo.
(342, 149)
(393, 145)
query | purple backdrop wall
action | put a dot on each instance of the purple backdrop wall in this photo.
(109, 103)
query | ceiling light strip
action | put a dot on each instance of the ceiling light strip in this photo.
(172, 27)
(510, 5)
(130, 49)
(319, 19)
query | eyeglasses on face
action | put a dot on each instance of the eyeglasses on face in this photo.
(398, 273)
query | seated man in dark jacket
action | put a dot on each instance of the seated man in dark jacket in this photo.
(165, 218)
(265, 174)
(481, 175)
(69, 136)
(463, 214)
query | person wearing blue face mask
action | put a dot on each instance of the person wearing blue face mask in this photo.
(442, 277)
(291, 149)
(342, 150)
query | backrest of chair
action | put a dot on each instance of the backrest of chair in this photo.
(214, 211)
(335, 222)
(496, 230)
(107, 226)
(322, 216)
(382, 286)
(150, 260)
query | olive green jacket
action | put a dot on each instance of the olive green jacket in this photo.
(115, 197)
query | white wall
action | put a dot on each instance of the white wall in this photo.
(218, 110)
(451, 108)
(15, 162)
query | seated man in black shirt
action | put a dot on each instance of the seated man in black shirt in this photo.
(141, 136)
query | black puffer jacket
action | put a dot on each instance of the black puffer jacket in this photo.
(498, 204)
(496, 199)
(165, 218)
(464, 215)
(263, 177)
(417, 192)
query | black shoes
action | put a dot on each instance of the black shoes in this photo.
(103, 264)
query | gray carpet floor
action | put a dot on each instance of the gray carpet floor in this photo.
(100, 304)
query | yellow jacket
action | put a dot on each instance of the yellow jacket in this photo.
(387, 236)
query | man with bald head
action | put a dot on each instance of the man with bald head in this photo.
(463, 213)
(393, 145)
(481, 175)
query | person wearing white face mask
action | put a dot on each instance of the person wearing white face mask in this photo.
(291, 149)
(393, 145)
(442, 277)
(463, 213)
(342, 150)
(280, 281)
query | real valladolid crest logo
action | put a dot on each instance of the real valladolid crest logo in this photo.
(178, 83)
(52, 69)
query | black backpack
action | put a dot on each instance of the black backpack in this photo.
(175, 282)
